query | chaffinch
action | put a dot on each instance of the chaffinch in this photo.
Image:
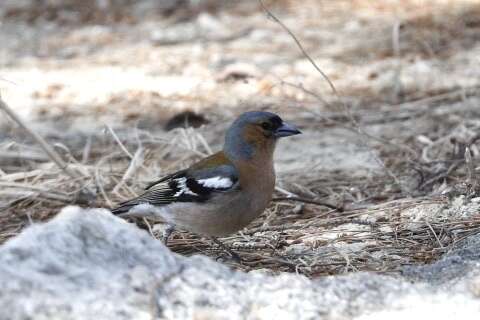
(224, 192)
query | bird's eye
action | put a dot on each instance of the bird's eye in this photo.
(266, 125)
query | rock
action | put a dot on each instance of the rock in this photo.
(88, 264)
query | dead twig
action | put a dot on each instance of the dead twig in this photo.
(362, 133)
(310, 201)
(299, 45)
(52, 154)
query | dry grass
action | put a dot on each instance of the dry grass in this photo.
(422, 201)
(375, 231)
(332, 243)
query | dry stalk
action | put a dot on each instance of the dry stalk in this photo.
(310, 201)
(362, 133)
(52, 154)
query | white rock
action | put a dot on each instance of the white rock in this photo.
(88, 264)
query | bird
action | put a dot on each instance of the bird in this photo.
(222, 193)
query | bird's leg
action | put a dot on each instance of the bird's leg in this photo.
(234, 255)
(166, 233)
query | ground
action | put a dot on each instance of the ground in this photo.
(394, 145)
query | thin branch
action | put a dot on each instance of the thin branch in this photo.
(52, 154)
(135, 164)
(470, 166)
(304, 52)
(397, 82)
(310, 201)
(434, 234)
(117, 140)
(52, 194)
(365, 136)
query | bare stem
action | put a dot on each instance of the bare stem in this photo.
(310, 201)
(52, 154)
(304, 52)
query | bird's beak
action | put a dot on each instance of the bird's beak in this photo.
(286, 130)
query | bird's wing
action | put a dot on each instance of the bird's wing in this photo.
(196, 184)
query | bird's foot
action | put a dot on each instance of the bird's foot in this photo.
(167, 233)
(228, 250)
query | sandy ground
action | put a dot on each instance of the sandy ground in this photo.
(406, 73)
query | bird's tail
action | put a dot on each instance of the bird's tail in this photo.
(134, 209)
(123, 208)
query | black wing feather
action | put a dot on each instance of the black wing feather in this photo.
(182, 186)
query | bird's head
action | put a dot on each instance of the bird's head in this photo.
(256, 132)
